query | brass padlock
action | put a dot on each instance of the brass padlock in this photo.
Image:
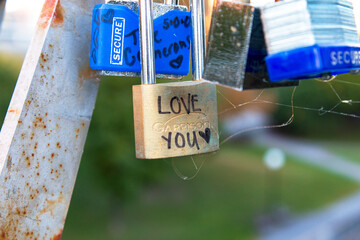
(171, 119)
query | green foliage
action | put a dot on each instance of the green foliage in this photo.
(9, 71)
(320, 98)
(110, 147)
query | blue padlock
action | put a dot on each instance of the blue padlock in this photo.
(313, 61)
(115, 45)
(310, 39)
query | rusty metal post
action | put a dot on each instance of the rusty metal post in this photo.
(2, 10)
(43, 136)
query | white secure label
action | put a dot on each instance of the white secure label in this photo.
(117, 41)
(345, 57)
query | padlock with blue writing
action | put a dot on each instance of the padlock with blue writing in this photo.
(115, 45)
(236, 47)
(310, 38)
(171, 119)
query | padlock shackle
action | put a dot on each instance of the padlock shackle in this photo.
(147, 42)
(198, 43)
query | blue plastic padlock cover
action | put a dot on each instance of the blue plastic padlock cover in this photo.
(115, 42)
(311, 62)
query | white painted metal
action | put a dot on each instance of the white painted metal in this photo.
(43, 136)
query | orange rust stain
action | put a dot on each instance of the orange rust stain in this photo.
(51, 8)
(58, 145)
(51, 205)
(58, 15)
(27, 159)
(43, 58)
(52, 155)
(86, 73)
(39, 122)
(57, 236)
(12, 110)
(9, 228)
(83, 124)
(51, 46)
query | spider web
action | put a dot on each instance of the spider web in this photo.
(327, 85)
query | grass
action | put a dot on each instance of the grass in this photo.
(221, 203)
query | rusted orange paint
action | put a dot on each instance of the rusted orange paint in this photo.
(51, 205)
(12, 110)
(47, 12)
(57, 236)
(58, 15)
(52, 9)
(86, 73)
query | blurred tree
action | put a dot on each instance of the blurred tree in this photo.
(110, 147)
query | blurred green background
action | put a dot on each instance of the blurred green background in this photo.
(119, 197)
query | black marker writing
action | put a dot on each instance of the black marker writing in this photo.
(176, 104)
(181, 142)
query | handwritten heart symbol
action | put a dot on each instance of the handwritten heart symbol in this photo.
(108, 16)
(206, 135)
(176, 63)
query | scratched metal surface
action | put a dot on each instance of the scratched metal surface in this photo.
(42, 138)
(228, 43)
(159, 10)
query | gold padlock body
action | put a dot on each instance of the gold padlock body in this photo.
(175, 119)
